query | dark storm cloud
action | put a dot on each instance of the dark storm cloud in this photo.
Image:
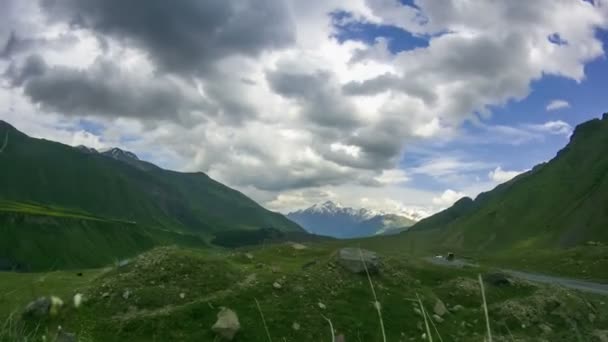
(183, 36)
(103, 89)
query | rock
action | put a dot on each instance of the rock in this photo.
(63, 336)
(227, 324)
(353, 259)
(545, 328)
(439, 308)
(78, 299)
(126, 294)
(295, 326)
(277, 285)
(601, 335)
(298, 246)
(457, 308)
(498, 279)
(437, 318)
(321, 306)
(38, 309)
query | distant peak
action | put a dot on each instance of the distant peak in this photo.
(117, 153)
(86, 149)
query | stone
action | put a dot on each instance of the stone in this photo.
(353, 260)
(498, 279)
(227, 324)
(457, 308)
(439, 308)
(295, 326)
(64, 336)
(298, 246)
(277, 285)
(38, 308)
(545, 328)
(437, 318)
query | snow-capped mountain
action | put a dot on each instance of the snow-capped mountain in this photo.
(119, 154)
(333, 219)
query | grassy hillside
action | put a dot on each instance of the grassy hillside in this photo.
(173, 294)
(559, 204)
(41, 171)
(42, 238)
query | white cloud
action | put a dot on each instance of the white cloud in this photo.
(447, 198)
(499, 175)
(552, 127)
(557, 104)
(345, 126)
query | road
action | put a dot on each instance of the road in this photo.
(576, 284)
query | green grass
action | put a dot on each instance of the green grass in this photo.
(156, 310)
(36, 237)
(559, 204)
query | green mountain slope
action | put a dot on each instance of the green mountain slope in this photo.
(42, 238)
(562, 203)
(50, 173)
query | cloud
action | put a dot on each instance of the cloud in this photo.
(262, 96)
(499, 175)
(552, 127)
(557, 104)
(448, 166)
(104, 89)
(187, 36)
(447, 198)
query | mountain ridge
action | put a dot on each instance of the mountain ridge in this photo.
(117, 184)
(560, 203)
(332, 219)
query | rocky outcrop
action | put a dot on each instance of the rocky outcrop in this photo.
(356, 260)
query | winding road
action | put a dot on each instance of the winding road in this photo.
(576, 284)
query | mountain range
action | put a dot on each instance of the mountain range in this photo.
(76, 188)
(558, 204)
(332, 219)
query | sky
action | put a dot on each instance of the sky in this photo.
(401, 106)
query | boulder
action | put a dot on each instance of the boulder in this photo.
(39, 308)
(227, 324)
(352, 259)
(439, 308)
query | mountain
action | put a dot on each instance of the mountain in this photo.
(332, 219)
(116, 184)
(558, 204)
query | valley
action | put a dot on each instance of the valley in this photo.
(164, 269)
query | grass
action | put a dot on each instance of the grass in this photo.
(155, 309)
